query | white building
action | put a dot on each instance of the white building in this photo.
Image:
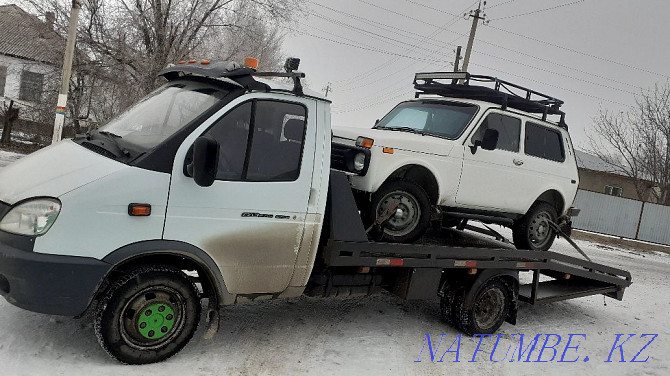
(31, 53)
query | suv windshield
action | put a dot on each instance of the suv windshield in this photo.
(443, 119)
(162, 113)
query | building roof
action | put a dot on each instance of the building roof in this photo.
(24, 36)
(593, 163)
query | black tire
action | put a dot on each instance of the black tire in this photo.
(413, 213)
(489, 311)
(139, 305)
(532, 231)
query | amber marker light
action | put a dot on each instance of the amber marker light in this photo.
(388, 150)
(365, 142)
(205, 62)
(193, 61)
(139, 210)
(251, 62)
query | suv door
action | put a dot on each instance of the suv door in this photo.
(490, 179)
(251, 220)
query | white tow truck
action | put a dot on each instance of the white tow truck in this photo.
(218, 187)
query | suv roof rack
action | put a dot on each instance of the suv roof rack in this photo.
(504, 93)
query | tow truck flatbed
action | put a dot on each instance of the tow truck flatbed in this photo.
(348, 246)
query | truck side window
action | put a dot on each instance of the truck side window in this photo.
(232, 132)
(264, 147)
(509, 131)
(276, 149)
(544, 143)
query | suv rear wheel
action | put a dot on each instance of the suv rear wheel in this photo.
(409, 208)
(532, 231)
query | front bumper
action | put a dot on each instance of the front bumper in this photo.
(52, 284)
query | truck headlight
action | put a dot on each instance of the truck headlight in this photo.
(31, 218)
(359, 162)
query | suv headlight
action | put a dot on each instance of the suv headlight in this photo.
(31, 218)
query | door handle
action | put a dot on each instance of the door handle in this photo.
(518, 162)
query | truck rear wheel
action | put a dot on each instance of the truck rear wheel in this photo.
(489, 309)
(411, 216)
(148, 315)
(532, 231)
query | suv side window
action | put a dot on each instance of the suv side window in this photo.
(509, 131)
(543, 142)
(260, 140)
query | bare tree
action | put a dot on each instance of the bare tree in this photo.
(127, 42)
(637, 142)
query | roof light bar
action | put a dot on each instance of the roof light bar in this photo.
(441, 76)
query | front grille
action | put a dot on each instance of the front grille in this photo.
(342, 158)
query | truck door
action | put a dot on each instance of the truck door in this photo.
(493, 179)
(251, 220)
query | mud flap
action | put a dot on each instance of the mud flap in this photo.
(213, 319)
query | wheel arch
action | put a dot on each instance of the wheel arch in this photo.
(421, 175)
(174, 253)
(554, 198)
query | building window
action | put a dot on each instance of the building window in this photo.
(31, 86)
(613, 190)
(3, 80)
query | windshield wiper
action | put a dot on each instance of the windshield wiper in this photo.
(404, 129)
(114, 138)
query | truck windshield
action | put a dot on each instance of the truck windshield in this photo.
(442, 119)
(163, 112)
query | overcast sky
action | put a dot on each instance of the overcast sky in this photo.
(590, 53)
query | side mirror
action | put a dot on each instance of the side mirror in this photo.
(376, 121)
(205, 161)
(488, 142)
(490, 139)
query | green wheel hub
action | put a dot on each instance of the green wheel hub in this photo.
(155, 321)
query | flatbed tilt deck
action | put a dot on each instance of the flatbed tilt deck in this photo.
(478, 286)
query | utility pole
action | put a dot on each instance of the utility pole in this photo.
(61, 106)
(327, 89)
(476, 16)
(458, 61)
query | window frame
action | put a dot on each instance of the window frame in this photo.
(252, 123)
(560, 139)
(612, 189)
(24, 90)
(500, 113)
(3, 80)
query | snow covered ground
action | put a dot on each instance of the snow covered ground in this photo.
(375, 336)
(7, 157)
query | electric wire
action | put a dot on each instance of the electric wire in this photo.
(537, 11)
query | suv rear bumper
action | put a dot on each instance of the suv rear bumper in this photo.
(51, 284)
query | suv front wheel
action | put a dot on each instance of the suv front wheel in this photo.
(405, 206)
(532, 231)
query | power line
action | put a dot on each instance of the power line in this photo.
(497, 5)
(538, 11)
(580, 52)
(439, 29)
(551, 85)
(429, 7)
(552, 45)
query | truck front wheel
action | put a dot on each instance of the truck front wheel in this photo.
(403, 208)
(148, 315)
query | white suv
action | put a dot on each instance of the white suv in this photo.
(462, 151)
